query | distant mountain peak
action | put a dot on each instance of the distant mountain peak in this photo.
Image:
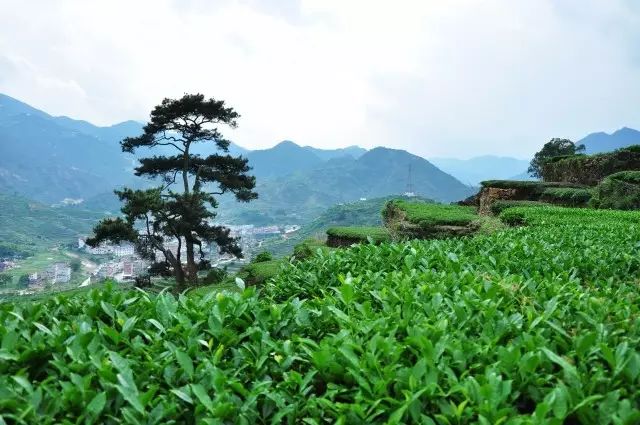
(287, 144)
(604, 142)
(382, 151)
(625, 131)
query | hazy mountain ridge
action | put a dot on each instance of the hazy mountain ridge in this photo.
(489, 167)
(52, 158)
(377, 173)
(604, 142)
(48, 162)
(329, 154)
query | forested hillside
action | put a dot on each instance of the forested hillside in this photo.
(27, 226)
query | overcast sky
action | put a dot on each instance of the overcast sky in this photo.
(438, 78)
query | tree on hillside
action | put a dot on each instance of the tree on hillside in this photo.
(178, 213)
(75, 265)
(555, 147)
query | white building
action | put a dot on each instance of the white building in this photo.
(61, 273)
(123, 250)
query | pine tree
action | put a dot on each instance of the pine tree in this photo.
(181, 209)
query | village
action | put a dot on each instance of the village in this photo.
(121, 263)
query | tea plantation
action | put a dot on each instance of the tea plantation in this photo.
(539, 323)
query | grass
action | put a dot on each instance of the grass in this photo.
(64, 290)
(489, 224)
(359, 213)
(38, 262)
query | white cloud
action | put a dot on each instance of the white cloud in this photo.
(460, 77)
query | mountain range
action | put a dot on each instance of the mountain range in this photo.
(62, 160)
(305, 193)
(489, 167)
(604, 142)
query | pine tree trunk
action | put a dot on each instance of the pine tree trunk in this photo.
(179, 275)
(192, 267)
(178, 271)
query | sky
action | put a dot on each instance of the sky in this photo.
(455, 78)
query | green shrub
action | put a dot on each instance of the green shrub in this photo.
(262, 257)
(570, 197)
(534, 185)
(428, 214)
(259, 273)
(214, 276)
(512, 184)
(631, 176)
(358, 234)
(498, 206)
(513, 217)
(308, 248)
(591, 169)
(620, 191)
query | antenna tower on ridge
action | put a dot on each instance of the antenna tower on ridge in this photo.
(410, 193)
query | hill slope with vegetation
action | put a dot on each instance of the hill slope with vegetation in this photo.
(359, 213)
(378, 173)
(27, 226)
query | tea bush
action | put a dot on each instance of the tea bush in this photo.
(570, 197)
(347, 235)
(498, 206)
(262, 257)
(308, 248)
(619, 191)
(214, 276)
(535, 324)
(429, 214)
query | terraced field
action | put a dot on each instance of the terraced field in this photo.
(539, 323)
